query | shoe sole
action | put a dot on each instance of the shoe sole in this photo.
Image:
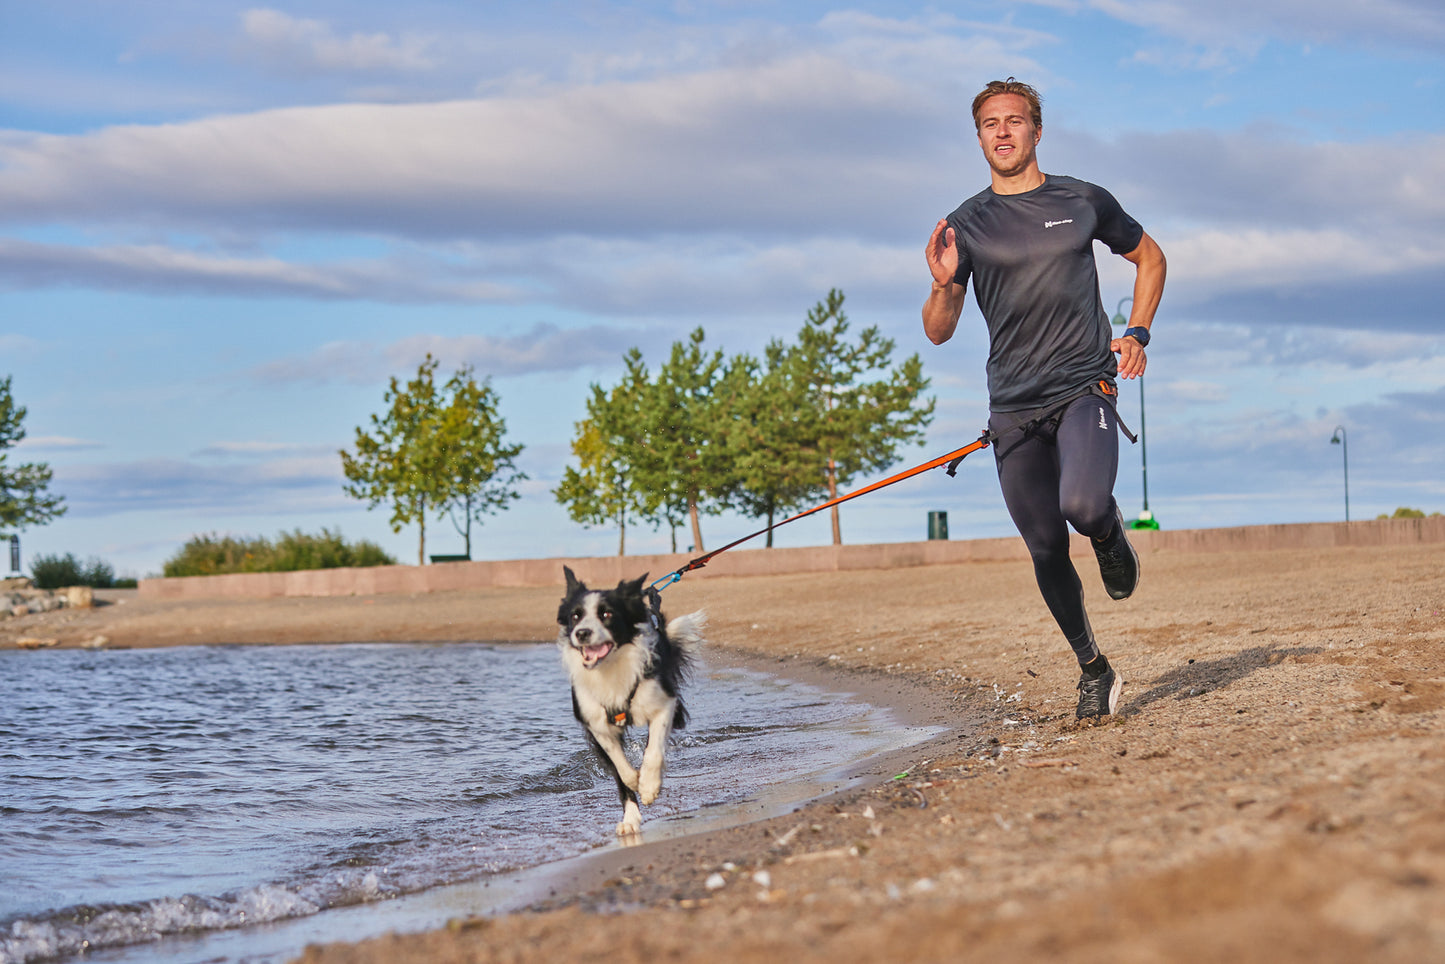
(1114, 692)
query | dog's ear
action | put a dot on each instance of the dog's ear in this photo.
(632, 587)
(573, 583)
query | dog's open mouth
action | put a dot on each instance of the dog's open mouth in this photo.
(594, 654)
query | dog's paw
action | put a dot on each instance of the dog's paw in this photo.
(649, 786)
(631, 820)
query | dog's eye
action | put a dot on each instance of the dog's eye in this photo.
(576, 617)
(605, 614)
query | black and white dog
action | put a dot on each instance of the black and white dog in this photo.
(627, 665)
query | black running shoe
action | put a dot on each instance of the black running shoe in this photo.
(1118, 562)
(1099, 688)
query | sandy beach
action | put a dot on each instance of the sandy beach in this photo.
(1273, 788)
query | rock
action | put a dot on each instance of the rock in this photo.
(79, 597)
(96, 642)
(35, 642)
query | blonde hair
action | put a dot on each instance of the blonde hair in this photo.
(1010, 86)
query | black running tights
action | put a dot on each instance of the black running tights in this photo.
(1056, 473)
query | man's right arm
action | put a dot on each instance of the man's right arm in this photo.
(945, 302)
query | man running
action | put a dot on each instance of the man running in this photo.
(1028, 241)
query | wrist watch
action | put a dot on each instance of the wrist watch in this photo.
(1139, 333)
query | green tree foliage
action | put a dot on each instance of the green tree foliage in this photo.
(859, 407)
(761, 436)
(434, 451)
(57, 572)
(480, 472)
(212, 555)
(1404, 512)
(655, 448)
(690, 469)
(24, 499)
(612, 447)
(772, 438)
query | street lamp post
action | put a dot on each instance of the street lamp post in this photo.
(1339, 439)
(1146, 517)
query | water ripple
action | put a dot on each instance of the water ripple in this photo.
(156, 792)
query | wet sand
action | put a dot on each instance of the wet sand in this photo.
(1272, 789)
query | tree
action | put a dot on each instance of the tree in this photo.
(24, 500)
(690, 469)
(612, 447)
(772, 438)
(655, 448)
(855, 425)
(480, 473)
(433, 453)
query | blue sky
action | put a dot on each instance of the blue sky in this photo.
(223, 226)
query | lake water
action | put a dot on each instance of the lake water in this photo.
(179, 802)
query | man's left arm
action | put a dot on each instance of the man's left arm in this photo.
(1149, 270)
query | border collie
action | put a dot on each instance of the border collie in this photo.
(626, 665)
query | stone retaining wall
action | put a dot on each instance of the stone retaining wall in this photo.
(605, 570)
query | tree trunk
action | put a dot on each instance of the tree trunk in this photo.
(622, 533)
(770, 526)
(833, 494)
(696, 526)
(421, 542)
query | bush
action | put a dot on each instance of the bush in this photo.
(1404, 512)
(57, 572)
(210, 555)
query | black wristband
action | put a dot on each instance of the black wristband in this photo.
(1139, 333)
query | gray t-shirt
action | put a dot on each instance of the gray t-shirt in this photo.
(1032, 259)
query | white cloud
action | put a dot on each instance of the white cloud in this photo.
(57, 443)
(154, 267)
(12, 344)
(313, 44)
(542, 348)
(282, 484)
(262, 449)
(721, 190)
(796, 146)
(1240, 25)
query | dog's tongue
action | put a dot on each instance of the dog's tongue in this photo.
(592, 654)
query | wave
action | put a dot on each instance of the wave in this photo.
(86, 928)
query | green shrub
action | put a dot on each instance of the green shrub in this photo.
(1404, 513)
(57, 572)
(209, 555)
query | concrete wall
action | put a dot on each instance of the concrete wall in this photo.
(608, 570)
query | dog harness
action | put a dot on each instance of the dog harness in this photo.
(623, 717)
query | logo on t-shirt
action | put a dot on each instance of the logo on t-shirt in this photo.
(1054, 224)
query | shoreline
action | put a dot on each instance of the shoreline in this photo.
(1272, 790)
